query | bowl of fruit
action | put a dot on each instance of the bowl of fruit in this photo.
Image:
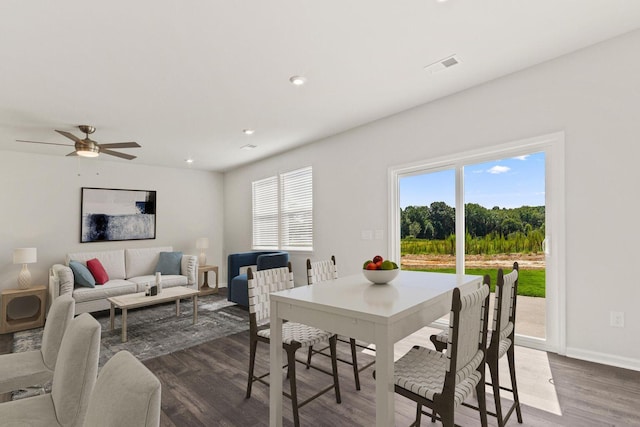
(380, 271)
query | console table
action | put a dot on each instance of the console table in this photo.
(36, 320)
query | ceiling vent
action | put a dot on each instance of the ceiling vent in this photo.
(443, 64)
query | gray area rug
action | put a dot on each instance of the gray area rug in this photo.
(154, 331)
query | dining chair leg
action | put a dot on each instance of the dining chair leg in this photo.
(291, 372)
(514, 386)
(446, 416)
(495, 382)
(334, 364)
(309, 356)
(253, 345)
(354, 361)
(419, 415)
(482, 401)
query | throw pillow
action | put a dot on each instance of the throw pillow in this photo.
(169, 262)
(99, 273)
(81, 275)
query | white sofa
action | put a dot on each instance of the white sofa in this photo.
(129, 271)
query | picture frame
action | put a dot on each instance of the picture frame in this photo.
(111, 214)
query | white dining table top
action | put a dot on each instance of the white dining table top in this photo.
(378, 303)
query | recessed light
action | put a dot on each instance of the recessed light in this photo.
(297, 80)
(188, 160)
(248, 131)
(248, 147)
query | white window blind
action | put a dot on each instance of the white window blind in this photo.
(283, 211)
(296, 216)
(265, 213)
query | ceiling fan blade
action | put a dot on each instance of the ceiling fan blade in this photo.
(69, 135)
(73, 153)
(118, 154)
(121, 145)
(48, 143)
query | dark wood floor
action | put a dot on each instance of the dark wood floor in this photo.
(205, 386)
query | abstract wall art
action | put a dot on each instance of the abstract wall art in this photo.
(109, 214)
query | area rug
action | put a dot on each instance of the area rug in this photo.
(155, 331)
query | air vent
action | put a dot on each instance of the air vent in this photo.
(442, 64)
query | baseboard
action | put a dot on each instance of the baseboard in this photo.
(604, 358)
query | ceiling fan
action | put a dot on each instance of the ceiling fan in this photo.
(89, 148)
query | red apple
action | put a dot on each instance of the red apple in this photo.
(372, 266)
(377, 259)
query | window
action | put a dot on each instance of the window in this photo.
(283, 211)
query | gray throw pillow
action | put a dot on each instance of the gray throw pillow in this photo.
(169, 263)
(81, 275)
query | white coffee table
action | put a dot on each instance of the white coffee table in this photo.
(125, 302)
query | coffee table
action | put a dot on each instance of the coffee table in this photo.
(125, 302)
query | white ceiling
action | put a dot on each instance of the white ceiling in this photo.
(184, 78)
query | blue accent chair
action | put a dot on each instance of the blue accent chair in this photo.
(238, 289)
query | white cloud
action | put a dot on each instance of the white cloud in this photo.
(521, 157)
(499, 169)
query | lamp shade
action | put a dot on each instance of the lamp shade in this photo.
(202, 243)
(25, 255)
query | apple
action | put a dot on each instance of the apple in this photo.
(372, 266)
(378, 259)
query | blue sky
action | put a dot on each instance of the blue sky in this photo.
(507, 183)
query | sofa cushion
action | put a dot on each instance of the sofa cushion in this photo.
(97, 270)
(112, 261)
(81, 275)
(143, 261)
(169, 262)
(112, 288)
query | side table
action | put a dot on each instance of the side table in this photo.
(205, 289)
(36, 320)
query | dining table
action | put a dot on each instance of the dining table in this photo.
(380, 314)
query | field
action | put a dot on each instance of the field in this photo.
(532, 268)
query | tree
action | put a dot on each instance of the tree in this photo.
(443, 219)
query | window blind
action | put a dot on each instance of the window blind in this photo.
(283, 211)
(265, 213)
(296, 218)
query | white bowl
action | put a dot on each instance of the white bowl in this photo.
(380, 276)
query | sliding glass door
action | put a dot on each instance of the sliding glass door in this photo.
(478, 212)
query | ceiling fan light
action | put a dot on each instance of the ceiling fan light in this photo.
(87, 153)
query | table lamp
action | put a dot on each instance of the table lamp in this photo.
(24, 256)
(202, 243)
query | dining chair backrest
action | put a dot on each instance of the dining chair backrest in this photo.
(60, 315)
(504, 311)
(467, 332)
(321, 271)
(261, 283)
(76, 370)
(126, 393)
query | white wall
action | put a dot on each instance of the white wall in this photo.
(591, 95)
(40, 207)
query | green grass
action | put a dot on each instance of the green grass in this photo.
(530, 282)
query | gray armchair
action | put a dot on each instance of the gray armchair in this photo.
(30, 368)
(127, 393)
(73, 381)
(238, 290)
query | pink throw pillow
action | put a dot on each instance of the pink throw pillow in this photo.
(95, 267)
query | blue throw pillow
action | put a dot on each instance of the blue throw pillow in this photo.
(169, 262)
(81, 275)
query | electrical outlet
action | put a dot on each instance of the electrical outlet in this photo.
(617, 319)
